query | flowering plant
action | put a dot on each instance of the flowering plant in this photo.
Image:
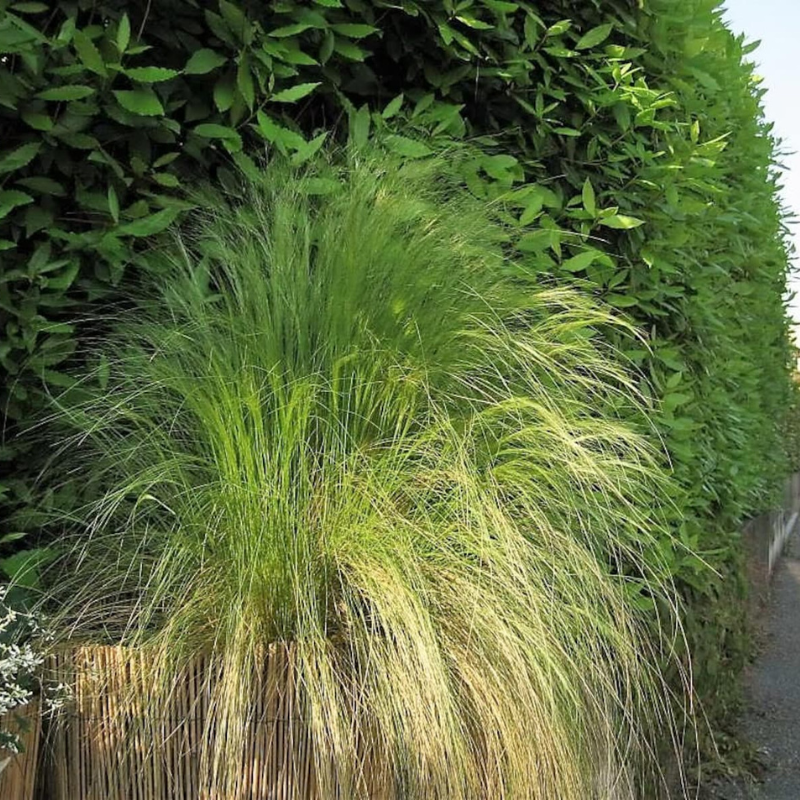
(21, 655)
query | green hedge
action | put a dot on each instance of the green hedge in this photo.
(624, 139)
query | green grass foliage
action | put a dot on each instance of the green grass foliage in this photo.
(348, 421)
(625, 138)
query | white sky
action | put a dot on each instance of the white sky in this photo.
(776, 23)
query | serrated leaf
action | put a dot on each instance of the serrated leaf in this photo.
(408, 148)
(224, 90)
(588, 197)
(532, 208)
(167, 158)
(531, 30)
(81, 141)
(37, 120)
(203, 62)
(288, 30)
(535, 241)
(621, 222)
(230, 136)
(141, 101)
(326, 48)
(123, 33)
(276, 134)
(236, 19)
(622, 300)
(247, 166)
(89, 54)
(18, 158)
(344, 47)
(392, 107)
(294, 93)
(66, 93)
(308, 150)
(113, 203)
(244, 80)
(43, 185)
(472, 22)
(149, 225)
(581, 261)
(595, 36)
(11, 199)
(30, 8)
(167, 179)
(675, 399)
(622, 114)
(359, 126)
(558, 28)
(63, 281)
(354, 30)
(151, 74)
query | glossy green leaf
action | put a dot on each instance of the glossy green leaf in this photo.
(151, 74)
(123, 33)
(562, 26)
(66, 93)
(392, 107)
(621, 222)
(10, 199)
(113, 203)
(37, 120)
(43, 185)
(150, 224)
(89, 54)
(11, 160)
(408, 148)
(354, 30)
(142, 101)
(294, 93)
(288, 30)
(588, 197)
(212, 131)
(595, 36)
(359, 126)
(244, 81)
(309, 149)
(204, 61)
(581, 261)
(277, 134)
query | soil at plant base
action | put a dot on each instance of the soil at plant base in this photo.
(772, 718)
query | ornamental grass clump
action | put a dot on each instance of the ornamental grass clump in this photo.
(341, 417)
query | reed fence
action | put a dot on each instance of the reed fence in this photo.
(113, 742)
(18, 775)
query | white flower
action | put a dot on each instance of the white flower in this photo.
(19, 664)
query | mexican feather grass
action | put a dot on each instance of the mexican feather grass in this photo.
(341, 416)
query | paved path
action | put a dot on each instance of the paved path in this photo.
(772, 721)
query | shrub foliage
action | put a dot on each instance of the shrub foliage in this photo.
(625, 139)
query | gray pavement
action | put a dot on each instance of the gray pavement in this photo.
(772, 720)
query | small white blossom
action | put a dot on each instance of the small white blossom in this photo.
(19, 665)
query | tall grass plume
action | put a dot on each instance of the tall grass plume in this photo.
(343, 416)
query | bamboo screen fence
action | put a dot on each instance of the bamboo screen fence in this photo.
(110, 743)
(18, 777)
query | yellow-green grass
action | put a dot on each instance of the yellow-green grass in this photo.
(351, 421)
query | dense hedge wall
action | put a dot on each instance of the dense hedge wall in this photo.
(624, 137)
